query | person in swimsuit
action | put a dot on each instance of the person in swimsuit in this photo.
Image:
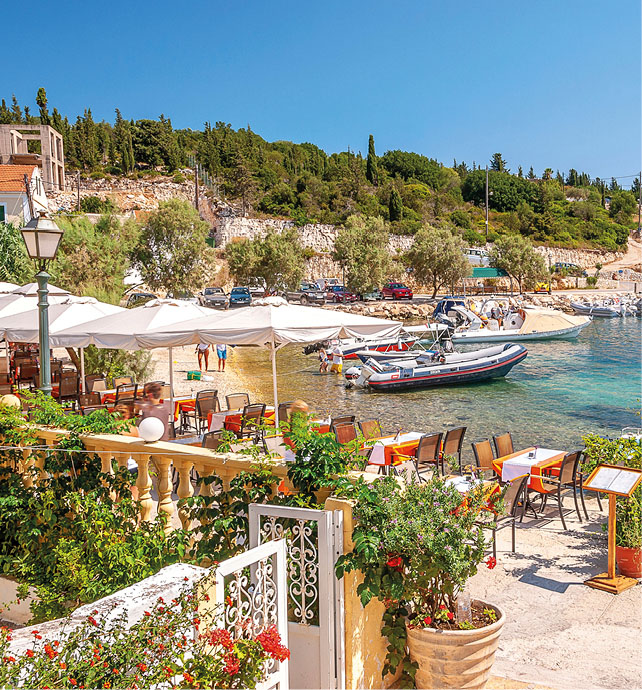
(221, 351)
(203, 351)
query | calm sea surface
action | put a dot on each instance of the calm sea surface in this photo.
(562, 390)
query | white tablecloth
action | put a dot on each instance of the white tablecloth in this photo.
(378, 455)
(521, 464)
(218, 418)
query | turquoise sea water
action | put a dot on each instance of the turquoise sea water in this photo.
(562, 390)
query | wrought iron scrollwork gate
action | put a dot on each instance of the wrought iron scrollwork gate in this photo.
(314, 541)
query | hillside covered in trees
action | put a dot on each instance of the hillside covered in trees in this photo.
(302, 182)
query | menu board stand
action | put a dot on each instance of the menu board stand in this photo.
(614, 481)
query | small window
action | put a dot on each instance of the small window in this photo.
(3, 213)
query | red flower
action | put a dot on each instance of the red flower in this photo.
(142, 666)
(147, 613)
(188, 678)
(228, 601)
(92, 620)
(232, 664)
(271, 642)
(63, 665)
(427, 620)
(8, 659)
(442, 607)
(106, 684)
(450, 615)
(223, 638)
(73, 681)
(29, 653)
(491, 562)
(116, 671)
(395, 562)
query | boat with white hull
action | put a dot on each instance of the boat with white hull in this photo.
(448, 369)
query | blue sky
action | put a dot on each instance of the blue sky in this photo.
(548, 83)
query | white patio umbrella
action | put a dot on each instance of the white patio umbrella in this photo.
(7, 287)
(271, 323)
(23, 327)
(31, 290)
(118, 331)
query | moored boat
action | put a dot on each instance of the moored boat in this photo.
(434, 369)
(602, 309)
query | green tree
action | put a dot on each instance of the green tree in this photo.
(498, 164)
(520, 172)
(437, 258)
(531, 173)
(171, 254)
(41, 101)
(547, 174)
(123, 143)
(277, 259)
(372, 174)
(15, 266)
(515, 255)
(395, 205)
(623, 206)
(361, 248)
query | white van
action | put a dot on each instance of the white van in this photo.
(477, 257)
(324, 283)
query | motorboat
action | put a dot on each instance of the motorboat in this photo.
(515, 324)
(439, 369)
(604, 308)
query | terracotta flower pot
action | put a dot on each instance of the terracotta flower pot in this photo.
(629, 561)
(455, 658)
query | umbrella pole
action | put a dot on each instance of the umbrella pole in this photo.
(171, 383)
(276, 395)
(6, 354)
(82, 369)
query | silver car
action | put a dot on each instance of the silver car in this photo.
(214, 297)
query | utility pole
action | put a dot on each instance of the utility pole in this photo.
(486, 203)
(78, 197)
(640, 206)
(196, 185)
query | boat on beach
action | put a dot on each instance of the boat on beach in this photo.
(510, 325)
(429, 369)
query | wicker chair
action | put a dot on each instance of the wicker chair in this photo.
(68, 387)
(28, 371)
(503, 444)
(407, 470)
(283, 413)
(453, 442)
(215, 439)
(92, 379)
(370, 428)
(427, 455)
(235, 401)
(345, 419)
(483, 452)
(251, 420)
(206, 402)
(126, 393)
(88, 400)
(514, 498)
(345, 433)
(569, 478)
(121, 380)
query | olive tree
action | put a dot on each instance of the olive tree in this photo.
(361, 248)
(515, 255)
(171, 253)
(437, 258)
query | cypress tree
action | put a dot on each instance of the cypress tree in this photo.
(531, 173)
(395, 205)
(41, 102)
(372, 174)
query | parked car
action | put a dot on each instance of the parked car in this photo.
(372, 296)
(214, 297)
(340, 293)
(257, 289)
(396, 291)
(308, 293)
(137, 299)
(240, 297)
(325, 283)
(477, 257)
(569, 269)
(185, 296)
(542, 288)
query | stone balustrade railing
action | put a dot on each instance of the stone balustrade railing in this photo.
(162, 456)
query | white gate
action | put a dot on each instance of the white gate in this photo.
(314, 595)
(251, 590)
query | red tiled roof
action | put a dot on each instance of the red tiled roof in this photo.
(12, 177)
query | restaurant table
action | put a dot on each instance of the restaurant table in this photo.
(509, 467)
(385, 450)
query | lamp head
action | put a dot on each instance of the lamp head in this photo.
(42, 237)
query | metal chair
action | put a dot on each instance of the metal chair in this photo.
(483, 452)
(503, 444)
(345, 433)
(453, 442)
(68, 387)
(251, 420)
(91, 380)
(88, 399)
(345, 419)
(370, 428)
(514, 497)
(568, 478)
(427, 455)
(206, 402)
(126, 392)
(122, 380)
(237, 400)
(215, 439)
(29, 371)
(408, 472)
(283, 413)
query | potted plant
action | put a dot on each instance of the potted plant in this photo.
(628, 512)
(417, 545)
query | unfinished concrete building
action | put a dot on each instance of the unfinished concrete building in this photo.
(14, 150)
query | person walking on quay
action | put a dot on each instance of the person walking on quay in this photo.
(221, 351)
(203, 351)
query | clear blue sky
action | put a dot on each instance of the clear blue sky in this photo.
(548, 83)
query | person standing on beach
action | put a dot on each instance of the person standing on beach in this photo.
(221, 351)
(337, 357)
(203, 351)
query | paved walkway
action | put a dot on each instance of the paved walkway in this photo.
(559, 632)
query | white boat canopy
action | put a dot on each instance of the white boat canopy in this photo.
(547, 320)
